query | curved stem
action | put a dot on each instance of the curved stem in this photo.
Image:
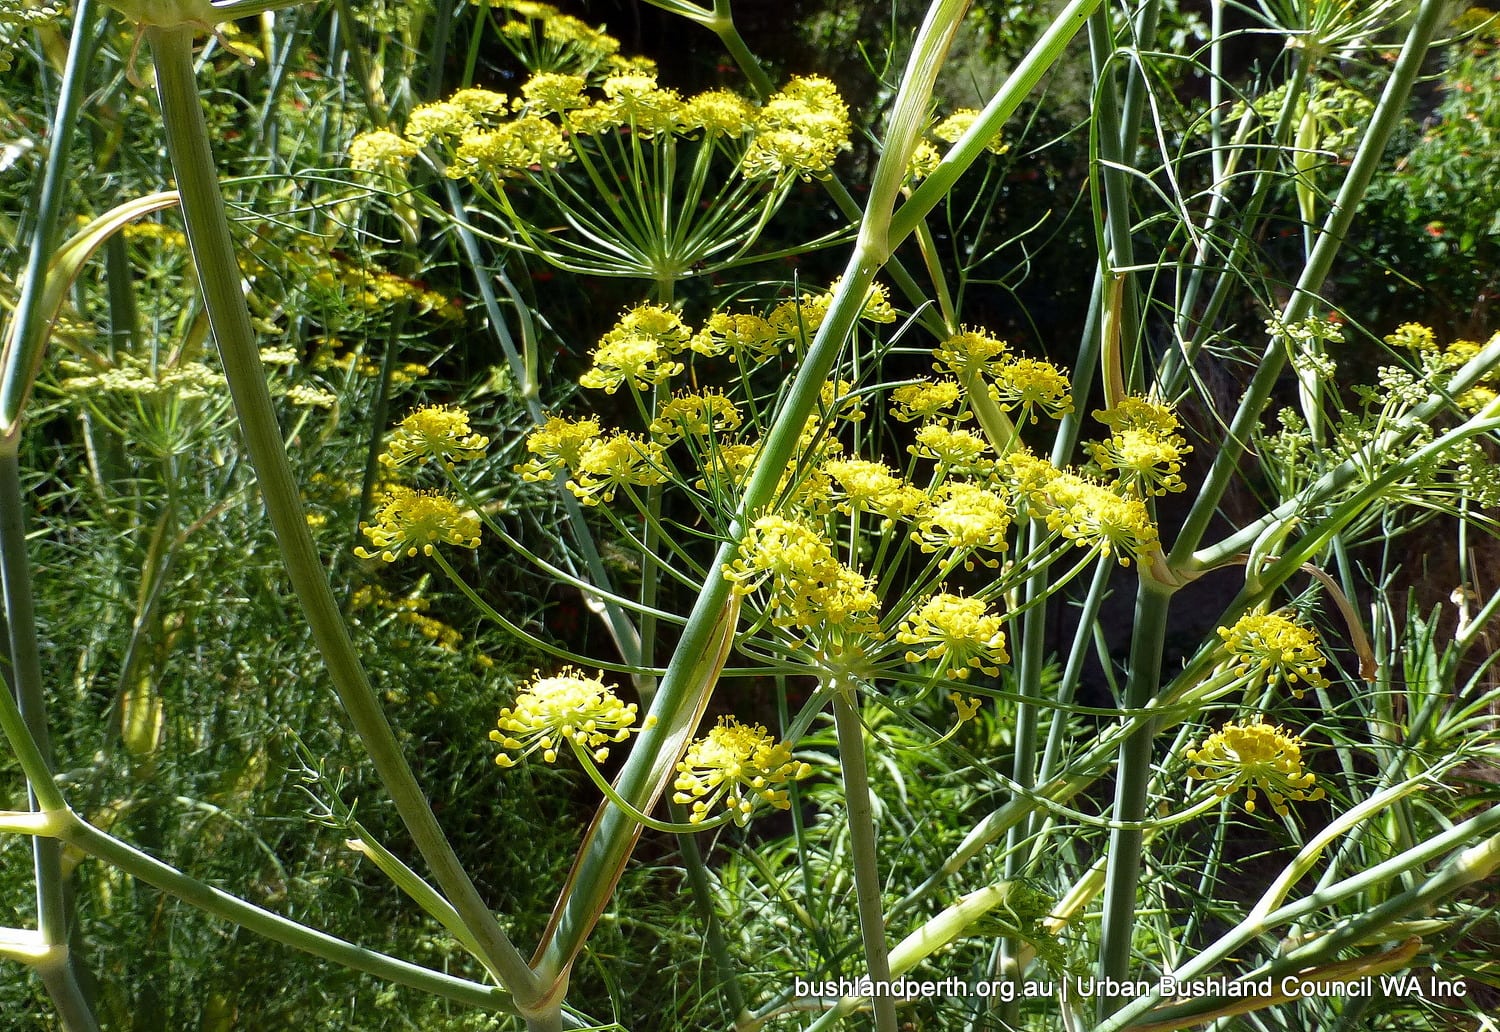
(275, 927)
(587, 763)
(218, 269)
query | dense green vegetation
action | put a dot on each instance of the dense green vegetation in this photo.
(644, 515)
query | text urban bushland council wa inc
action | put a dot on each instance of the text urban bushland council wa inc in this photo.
(1167, 987)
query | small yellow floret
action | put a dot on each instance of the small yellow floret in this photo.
(740, 765)
(410, 521)
(1254, 755)
(1273, 647)
(565, 707)
(434, 433)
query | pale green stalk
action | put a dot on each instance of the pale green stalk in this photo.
(865, 851)
(1153, 600)
(1467, 867)
(1132, 777)
(213, 254)
(26, 727)
(20, 358)
(1073, 671)
(649, 767)
(262, 922)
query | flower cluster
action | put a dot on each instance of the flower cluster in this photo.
(381, 152)
(409, 521)
(185, 380)
(638, 350)
(619, 460)
(927, 154)
(1273, 647)
(1438, 358)
(739, 765)
(1028, 386)
(605, 154)
(567, 707)
(434, 433)
(1144, 449)
(1091, 514)
(1254, 755)
(962, 633)
(799, 131)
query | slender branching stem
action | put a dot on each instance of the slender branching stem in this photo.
(214, 256)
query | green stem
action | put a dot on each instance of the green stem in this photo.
(262, 922)
(703, 905)
(522, 364)
(650, 764)
(26, 715)
(1132, 779)
(24, 719)
(1465, 868)
(1073, 672)
(214, 256)
(21, 350)
(860, 819)
(1388, 115)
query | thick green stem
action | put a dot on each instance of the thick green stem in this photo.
(214, 256)
(1132, 778)
(646, 773)
(860, 818)
(26, 725)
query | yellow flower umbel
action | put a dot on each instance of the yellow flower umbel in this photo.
(740, 764)
(616, 461)
(381, 152)
(873, 487)
(410, 521)
(557, 446)
(1273, 647)
(565, 707)
(638, 351)
(740, 336)
(971, 353)
(1030, 384)
(789, 552)
(799, 132)
(1254, 755)
(437, 433)
(697, 415)
(1092, 515)
(1144, 450)
(964, 517)
(950, 129)
(927, 400)
(962, 633)
(954, 450)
